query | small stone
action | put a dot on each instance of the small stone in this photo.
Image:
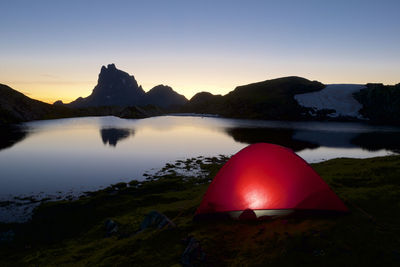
(193, 254)
(156, 219)
(111, 227)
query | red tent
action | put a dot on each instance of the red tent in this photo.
(269, 180)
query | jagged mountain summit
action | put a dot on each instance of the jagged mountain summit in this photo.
(288, 98)
(117, 88)
(114, 88)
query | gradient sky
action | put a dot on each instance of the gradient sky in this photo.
(53, 50)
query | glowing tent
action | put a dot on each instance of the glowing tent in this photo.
(267, 180)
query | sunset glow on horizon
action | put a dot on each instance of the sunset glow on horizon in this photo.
(54, 50)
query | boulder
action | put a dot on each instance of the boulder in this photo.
(111, 227)
(193, 254)
(155, 219)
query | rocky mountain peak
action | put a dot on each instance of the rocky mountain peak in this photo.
(111, 77)
(114, 88)
(117, 88)
(109, 67)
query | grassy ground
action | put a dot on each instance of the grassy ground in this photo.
(73, 232)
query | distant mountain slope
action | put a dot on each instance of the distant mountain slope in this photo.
(205, 102)
(271, 99)
(380, 103)
(117, 88)
(288, 98)
(164, 96)
(16, 107)
(296, 98)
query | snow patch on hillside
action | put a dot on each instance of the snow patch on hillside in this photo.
(334, 96)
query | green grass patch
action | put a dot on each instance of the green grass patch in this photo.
(73, 232)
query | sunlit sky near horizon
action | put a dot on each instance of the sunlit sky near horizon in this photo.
(53, 50)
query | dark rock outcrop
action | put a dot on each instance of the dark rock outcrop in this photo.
(155, 219)
(381, 103)
(114, 88)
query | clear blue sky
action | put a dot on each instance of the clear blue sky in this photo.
(54, 49)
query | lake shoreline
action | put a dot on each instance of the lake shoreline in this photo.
(27, 203)
(63, 158)
(76, 227)
(161, 113)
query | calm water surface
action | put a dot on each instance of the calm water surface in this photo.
(81, 154)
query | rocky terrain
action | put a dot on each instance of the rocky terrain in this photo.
(289, 98)
(150, 223)
(117, 88)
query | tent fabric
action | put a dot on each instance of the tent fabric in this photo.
(268, 177)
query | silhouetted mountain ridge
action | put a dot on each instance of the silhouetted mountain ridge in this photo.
(16, 107)
(270, 99)
(117, 93)
(164, 96)
(117, 88)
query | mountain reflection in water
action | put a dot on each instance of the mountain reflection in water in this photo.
(67, 155)
(300, 139)
(279, 136)
(10, 135)
(111, 136)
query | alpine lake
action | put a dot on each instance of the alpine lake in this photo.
(58, 159)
